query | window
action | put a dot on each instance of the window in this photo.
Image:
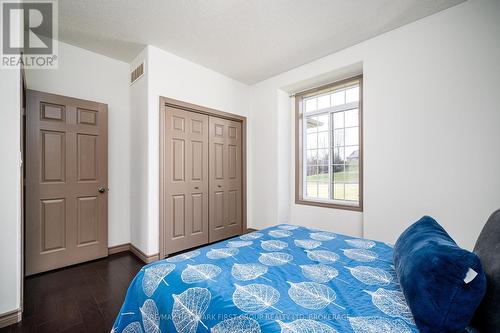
(329, 145)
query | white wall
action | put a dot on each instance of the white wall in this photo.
(87, 75)
(174, 77)
(431, 117)
(273, 194)
(139, 196)
(10, 191)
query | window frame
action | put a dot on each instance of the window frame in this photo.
(299, 148)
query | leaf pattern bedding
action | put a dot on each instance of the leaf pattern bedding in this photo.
(285, 279)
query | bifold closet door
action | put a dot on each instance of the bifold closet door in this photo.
(225, 179)
(185, 179)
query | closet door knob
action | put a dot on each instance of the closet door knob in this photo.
(196, 188)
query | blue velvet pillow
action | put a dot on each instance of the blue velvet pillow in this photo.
(438, 278)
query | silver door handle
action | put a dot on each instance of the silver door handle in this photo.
(101, 189)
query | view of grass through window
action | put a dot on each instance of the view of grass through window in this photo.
(331, 145)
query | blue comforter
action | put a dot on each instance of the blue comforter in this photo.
(286, 279)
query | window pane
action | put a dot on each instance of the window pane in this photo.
(353, 161)
(312, 174)
(323, 190)
(338, 98)
(312, 189)
(323, 156)
(322, 174)
(338, 120)
(311, 104)
(351, 118)
(323, 102)
(312, 141)
(312, 124)
(312, 157)
(338, 137)
(338, 173)
(338, 155)
(352, 173)
(338, 191)
(323, 171)
(351, 136)
(352, 95)
(352, 154)
(352, 192)
(323, 122)
(323, 140)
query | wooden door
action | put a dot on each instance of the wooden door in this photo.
(66, 181)
(225, 140)
(184, 180)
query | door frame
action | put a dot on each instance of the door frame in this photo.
(170, 102)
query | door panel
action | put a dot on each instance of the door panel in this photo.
(232, 207)
(217, 210)
(218, 161)
(225, 179)
(184, 179)
(198, 163)
(87, 158)
(66, 163)
(197, 216)
(53, 156)
(52, 112)
(179, 216)
(53, 224)
(178, 160)
(87, 220)
(86, 117)
(232, 161)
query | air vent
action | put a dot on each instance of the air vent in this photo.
(137, 73)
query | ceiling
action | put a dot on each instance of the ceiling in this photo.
(248, 40)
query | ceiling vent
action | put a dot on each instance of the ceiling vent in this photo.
(136, 73)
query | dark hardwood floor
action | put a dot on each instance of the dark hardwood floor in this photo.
(84, 298)
(81, 298)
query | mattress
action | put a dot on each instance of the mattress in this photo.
(284, 279)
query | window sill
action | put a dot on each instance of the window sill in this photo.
(356, 208)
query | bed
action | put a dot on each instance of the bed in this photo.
(284, 279)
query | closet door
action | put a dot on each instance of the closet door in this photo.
(225, 179)
(185, 179)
